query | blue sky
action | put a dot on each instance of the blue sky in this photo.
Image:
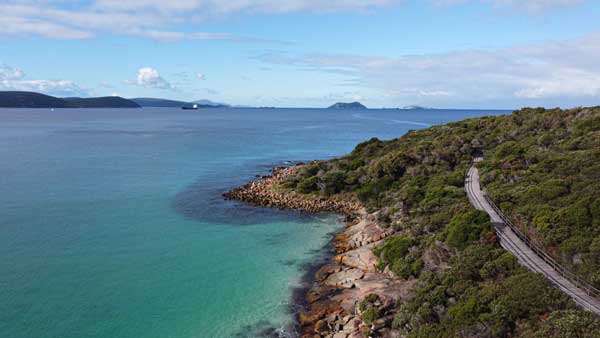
(308, 53)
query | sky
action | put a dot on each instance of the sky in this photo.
(501, 54)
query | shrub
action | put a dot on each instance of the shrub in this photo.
(466, 228)
(510, 148)
(500, 266)
(588, 124)
(406, 267)
(333, 182)
(467, 264)
(526, 294)
(370, 315)
(369, 193)
(568, 324)
(394, 248)
(370, 308)
(308, 185)
(368, 301)
(467, 312)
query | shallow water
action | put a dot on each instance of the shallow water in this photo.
(112, 222)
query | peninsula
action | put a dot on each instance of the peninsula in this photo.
(420, 258)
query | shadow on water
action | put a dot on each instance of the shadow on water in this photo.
(203, 201)
(208, 206)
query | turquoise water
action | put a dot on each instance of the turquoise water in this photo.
(112, 222)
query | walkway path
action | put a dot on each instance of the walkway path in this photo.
(530, 256)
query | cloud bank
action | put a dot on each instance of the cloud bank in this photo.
(69, 19)
(155, 19)
(520, 74)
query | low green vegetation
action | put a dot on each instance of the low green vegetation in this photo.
(395, 253)
(550, 184)
(541, 166)
(370, 308)
(468, 227)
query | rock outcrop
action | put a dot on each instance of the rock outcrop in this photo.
(266, 192)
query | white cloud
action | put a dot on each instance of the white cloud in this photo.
(201, 76)
(22, 26)
(12, 78)
(150, 18)
(550, 70)
(155, 19)
(150, 78)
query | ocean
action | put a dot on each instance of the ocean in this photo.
(112, 223)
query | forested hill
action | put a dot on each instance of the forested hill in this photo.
(152, 102)
(543, 169)
(20, 99)
(15, 99)
(101, 102)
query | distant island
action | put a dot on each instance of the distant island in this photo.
(351, 105)
(21, 99)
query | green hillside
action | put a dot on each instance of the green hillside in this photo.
(541, 166)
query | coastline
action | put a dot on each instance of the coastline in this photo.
(333, 287)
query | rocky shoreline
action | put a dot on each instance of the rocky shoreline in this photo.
(265, 192)
(333, 299)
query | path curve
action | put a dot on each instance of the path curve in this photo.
(527, 257)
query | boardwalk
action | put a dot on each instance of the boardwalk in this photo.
(526, 256)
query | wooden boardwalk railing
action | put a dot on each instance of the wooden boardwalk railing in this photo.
(544, 255)
(530, 254)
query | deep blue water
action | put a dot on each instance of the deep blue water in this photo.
(112, 223)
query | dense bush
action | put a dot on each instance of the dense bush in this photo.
(307, 185)
(394, 248)
(542, 167)
(395, 253)
(567, 324)
(552, 188)
(370, 308)
(467, 227)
